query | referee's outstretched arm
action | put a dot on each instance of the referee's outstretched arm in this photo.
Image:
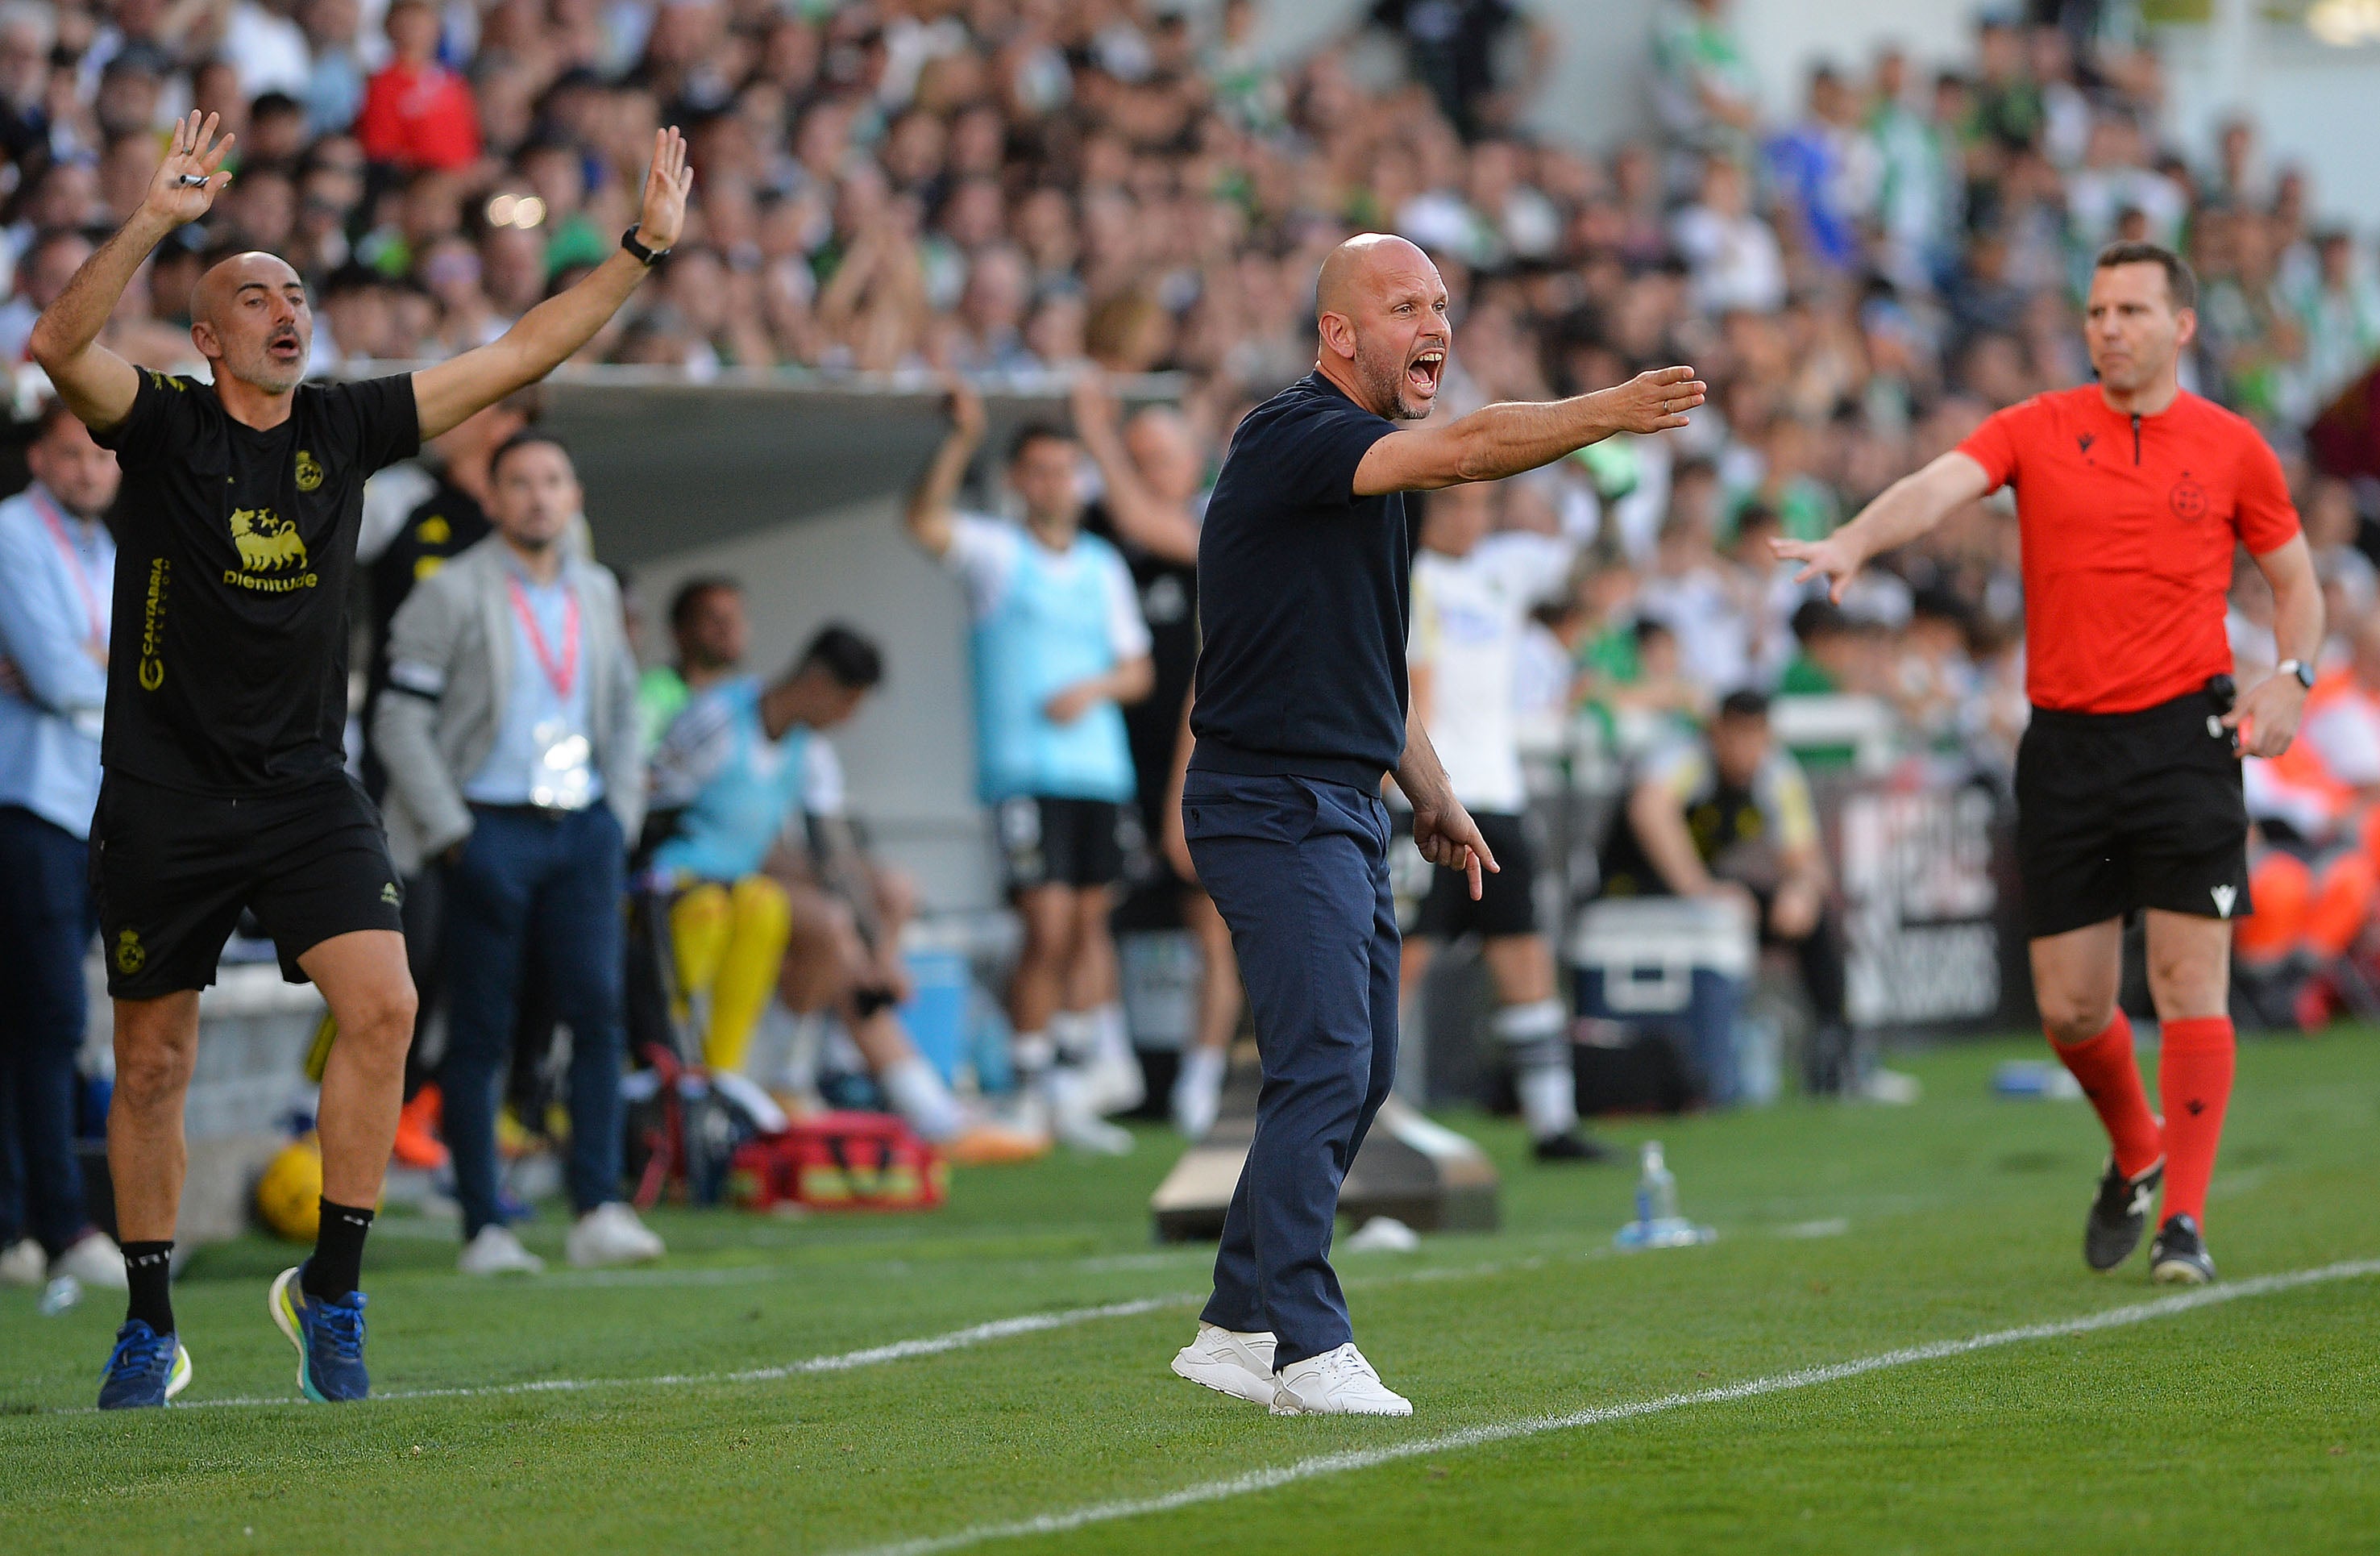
(1906, 509)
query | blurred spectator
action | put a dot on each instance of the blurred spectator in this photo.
(1730, 815)
(56, 566)
(416, 112)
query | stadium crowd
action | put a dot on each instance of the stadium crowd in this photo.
(990, 187)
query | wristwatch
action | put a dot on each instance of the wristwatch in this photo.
(646, 257)
(2299, 668)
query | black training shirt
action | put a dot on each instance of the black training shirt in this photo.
(1304, 599)
(234, 552)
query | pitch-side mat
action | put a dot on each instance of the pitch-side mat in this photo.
(1537, 1425)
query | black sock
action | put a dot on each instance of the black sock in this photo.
(148, 1267)
(337, 1267)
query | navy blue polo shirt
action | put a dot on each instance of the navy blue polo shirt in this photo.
(1304, 599)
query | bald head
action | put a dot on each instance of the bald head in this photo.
(1380, 309)
(249, 317)
(1367, 262)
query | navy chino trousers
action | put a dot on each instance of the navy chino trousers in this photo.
(46, 922)
(1299, 869)
(554, 882)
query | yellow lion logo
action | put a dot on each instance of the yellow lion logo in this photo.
(267, 543)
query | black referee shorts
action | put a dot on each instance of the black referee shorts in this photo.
(2119, 811)
(171, 872)
(1507, 898)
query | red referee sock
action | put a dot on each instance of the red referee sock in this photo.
(2194, 1080)
(2111, 1079)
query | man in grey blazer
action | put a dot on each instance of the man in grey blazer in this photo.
(511, 741)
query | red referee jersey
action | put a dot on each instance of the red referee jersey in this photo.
(2128, 524)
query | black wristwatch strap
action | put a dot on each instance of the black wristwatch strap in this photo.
(647, 257)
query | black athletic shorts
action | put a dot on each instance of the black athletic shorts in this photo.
(1507, 898)
(1049, 841)
(2119, 811)
(171, 872)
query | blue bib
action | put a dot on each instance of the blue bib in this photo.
(1050, 631)
(731, 825)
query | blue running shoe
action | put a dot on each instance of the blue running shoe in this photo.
(329, 1334)
(145, 1368)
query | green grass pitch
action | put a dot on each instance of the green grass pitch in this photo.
(2249, 1424)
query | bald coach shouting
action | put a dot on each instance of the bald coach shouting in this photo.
(1301, 712)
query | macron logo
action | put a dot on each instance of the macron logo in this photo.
(2224, 897)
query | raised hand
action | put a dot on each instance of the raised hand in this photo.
(195, 155)
(1657, 399)
(964, 407)
(662, 216)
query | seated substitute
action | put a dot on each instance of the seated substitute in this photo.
(739, 767)
(1729, 813)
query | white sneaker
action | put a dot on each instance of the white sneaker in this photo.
(1111, 1076)
(1074, 1124)
(611, 1235)
(1230, 1363)
(24, 1264)
(495, 1252)
(1338, 1382)
(95, 1261)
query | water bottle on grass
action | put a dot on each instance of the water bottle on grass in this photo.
(1658, 1223)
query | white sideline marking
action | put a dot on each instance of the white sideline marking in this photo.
(871, 1356)
(1505, 1432)
(841, 1361)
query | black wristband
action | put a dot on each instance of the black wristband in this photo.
(646, 257)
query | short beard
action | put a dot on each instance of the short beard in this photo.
(270, 377)
(1386, 384)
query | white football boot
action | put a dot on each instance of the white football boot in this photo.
(1229, 1362)
(1338, 1382)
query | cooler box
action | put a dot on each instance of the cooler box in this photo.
(1678, 965)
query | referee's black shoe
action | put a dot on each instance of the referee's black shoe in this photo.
(1571, 1146)
(2119, 1214)
(2179, 1257)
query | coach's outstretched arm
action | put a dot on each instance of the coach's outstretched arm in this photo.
(1906, 509)
(1504, 440)
(97, 385)
(551, 333)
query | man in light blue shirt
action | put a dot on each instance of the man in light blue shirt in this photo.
(1059, 645)
(57, 561)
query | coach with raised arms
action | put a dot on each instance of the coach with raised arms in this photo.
(225, 787)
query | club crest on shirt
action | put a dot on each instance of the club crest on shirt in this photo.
(309, 471)
(268, 544)
(2187, 498)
